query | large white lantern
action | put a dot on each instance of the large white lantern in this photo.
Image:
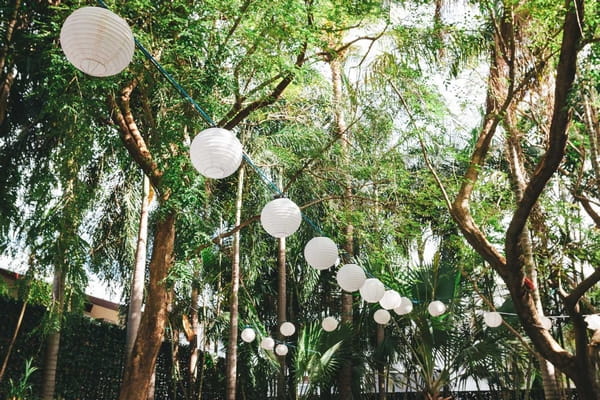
(267, 343)
(97, 41)
(287, 329)
(372, 290)
(593, 321)
(405, 306)
(281, 217)
(382, 317)
(329, 324)
(216, 153)
(248, 335)
(281, 349)
(391, 299)
(436, 308)
(492, 319)
(351, 277)
(321, 252)
(546, 322)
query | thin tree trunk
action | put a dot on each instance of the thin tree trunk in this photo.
(13, 339)
(134, 314)
(53, 339)
(231, 383)
(281, 311)
(194, 345)
(139, 369)
(381, 378)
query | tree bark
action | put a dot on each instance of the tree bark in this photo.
(140, 367)
(231, 362)
(134, 313)
(381, 378)
(281, 312)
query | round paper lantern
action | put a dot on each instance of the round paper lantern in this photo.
(267, 343)
(351, 277)
(436, 308)
(593, 321)
(248, 335)
(405, 306)
(97, 41)
(281, 217)
(287, 329)
(281, 349)
(329, 324)
(321, 252)
(382, 317)
(216, 153)
(492, 319)
(372, 290)
(391, 299)
(546, 322)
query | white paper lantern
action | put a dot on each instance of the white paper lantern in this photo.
(593, 321)
(97, 41)
(382, 317)
(405, 306)
(287, 329)
(216, 153)
(281, 217)
(248, 335)
(267, 343)
(391, 299)
(329, 324)
(372, 290)
(351, 277)
(546, 322)
(281, 349)
(321, 252)
(492, 319)
(436, 308)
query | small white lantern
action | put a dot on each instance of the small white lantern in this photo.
(97, 41)
(351, 277)
(321, 252)
(281, 349)
(546, 322)
(372, 290)
(267, 343)
(593, 321)
(391, 299)
(281, 217)
(329, 324)
(248, 335)
(405, 306)
(492, 319)
(287, 329)
(216, 153)
(382, 317)
(436, 308)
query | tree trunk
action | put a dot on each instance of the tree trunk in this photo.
(134, 314)
(194, 343)
(381, 378)
(231, 362)
(281, 312)
(140, 367)
(13, 339)
(53, 339)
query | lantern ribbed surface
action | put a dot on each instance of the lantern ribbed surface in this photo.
(248, 335)
(329, 324)
(390, 300)
(436, 308)
(97, 41)
(281, 217)
(267, 343)
(216, 153)
(287, 329)
(321, 252)
(351, 277)
(382, 317)
(492, 319)
(281, 349)
(405, 306)
(372, 290)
